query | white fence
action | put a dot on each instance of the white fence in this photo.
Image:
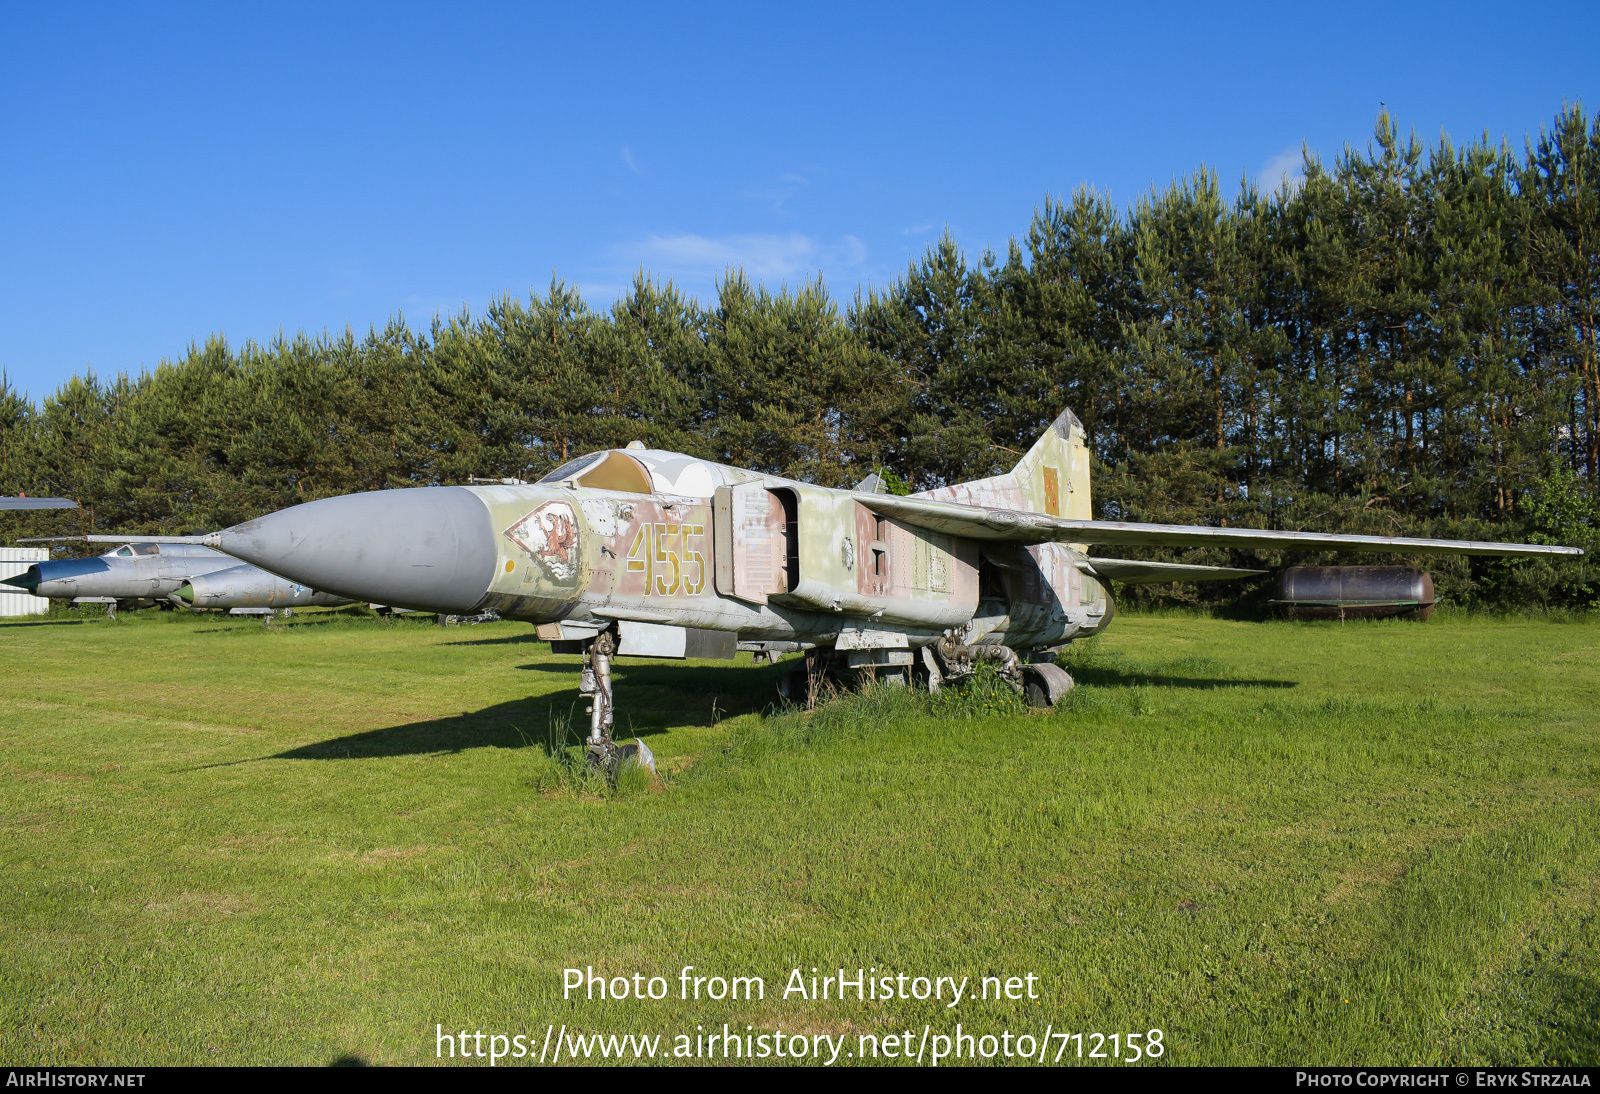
(13, 561)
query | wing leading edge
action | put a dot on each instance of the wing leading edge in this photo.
(1131, 572)
(1014, 526)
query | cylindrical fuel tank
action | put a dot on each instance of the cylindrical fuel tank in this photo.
(249, 587)
(1354, 592)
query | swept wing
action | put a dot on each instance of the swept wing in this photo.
(1015, 526)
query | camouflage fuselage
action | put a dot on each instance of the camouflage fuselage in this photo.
(668, 548)
(773, 560)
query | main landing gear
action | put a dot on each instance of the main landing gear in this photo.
(1042, 684)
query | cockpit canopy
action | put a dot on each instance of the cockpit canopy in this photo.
(570, 468)
(171, 550)
(605, 471)
(643, 471)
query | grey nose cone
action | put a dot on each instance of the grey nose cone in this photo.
(429, 549)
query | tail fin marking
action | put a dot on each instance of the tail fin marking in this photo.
(1059, 458)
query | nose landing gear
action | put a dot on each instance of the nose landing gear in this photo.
(604, 753)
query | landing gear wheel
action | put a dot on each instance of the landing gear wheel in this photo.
(1046, 684)
(603, 755)
(637, 752)
(609, 757)
(803, 685)
(1037, 697)
(795, 686)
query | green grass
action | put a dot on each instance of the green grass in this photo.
(1278, 843)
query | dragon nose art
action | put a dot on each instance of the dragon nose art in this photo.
(430, 549)
(550, 535)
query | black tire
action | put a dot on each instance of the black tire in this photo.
(1037, 696)
(794, 686)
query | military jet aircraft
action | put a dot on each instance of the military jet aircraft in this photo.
(22, 501)
(642, 552)
(250, 587)
(145, 571)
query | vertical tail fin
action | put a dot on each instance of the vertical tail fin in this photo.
(1053, 478)
(1054, 475)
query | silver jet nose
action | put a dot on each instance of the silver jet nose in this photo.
(429, 549)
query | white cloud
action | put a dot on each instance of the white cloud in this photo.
(777, 195)
(627, 158)
(1284, 168)
(695, 263)
(917, 229)
(760, 256)
(600, 294)
(422, 308)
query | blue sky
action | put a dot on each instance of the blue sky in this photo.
(174, 171)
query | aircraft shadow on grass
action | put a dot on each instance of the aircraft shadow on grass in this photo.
(657, 697)
(1103, 676)
(652, 698)
(528, 639)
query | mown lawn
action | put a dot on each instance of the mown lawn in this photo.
(1276, 843)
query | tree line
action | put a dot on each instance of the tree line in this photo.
(1403, 342)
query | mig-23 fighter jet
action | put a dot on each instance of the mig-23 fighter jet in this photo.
(658, 554)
